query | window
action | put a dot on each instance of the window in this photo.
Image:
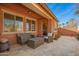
(19, 24)
(33, 26)
(30, 25)
(12, 23)
(9, 23)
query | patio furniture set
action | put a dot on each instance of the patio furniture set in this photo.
(32, 41)
(26, 38)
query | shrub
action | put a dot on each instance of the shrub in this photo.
(77, 36)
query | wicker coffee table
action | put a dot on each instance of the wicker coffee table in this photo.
(35, 42)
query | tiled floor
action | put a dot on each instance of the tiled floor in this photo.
(64, 46)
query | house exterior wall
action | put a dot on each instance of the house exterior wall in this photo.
(20, 10)
(14, 10)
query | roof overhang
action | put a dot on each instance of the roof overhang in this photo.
(40, 9)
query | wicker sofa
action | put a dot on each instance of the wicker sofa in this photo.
(22, 38)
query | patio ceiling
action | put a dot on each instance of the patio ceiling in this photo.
(41, 11)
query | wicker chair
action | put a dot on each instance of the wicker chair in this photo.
(48, 38)
(22, 38)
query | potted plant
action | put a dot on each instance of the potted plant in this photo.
(4, 44)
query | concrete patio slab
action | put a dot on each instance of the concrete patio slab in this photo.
(64, 46)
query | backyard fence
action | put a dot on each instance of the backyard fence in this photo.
(66, 32)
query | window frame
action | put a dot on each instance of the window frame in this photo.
(22, 24)
(23, 18)
(31, 19)
(29, 29)
(11, 19)
(33, 24)
(6, 12)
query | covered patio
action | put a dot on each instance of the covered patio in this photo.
(23, 23)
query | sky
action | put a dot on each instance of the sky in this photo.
(64, 11)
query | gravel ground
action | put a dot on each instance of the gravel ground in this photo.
(64, 46)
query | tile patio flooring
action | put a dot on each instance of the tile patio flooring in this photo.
(64, 46)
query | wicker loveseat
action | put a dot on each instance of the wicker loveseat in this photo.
(22, 38)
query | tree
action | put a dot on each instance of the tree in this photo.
(67, 22)
(77, 12)
(63, 24)
(59, 25)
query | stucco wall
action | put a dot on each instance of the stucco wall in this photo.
(18, 10)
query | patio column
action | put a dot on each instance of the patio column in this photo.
(39, 27)
(49, 25)
(1, 20)
(24, 24)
